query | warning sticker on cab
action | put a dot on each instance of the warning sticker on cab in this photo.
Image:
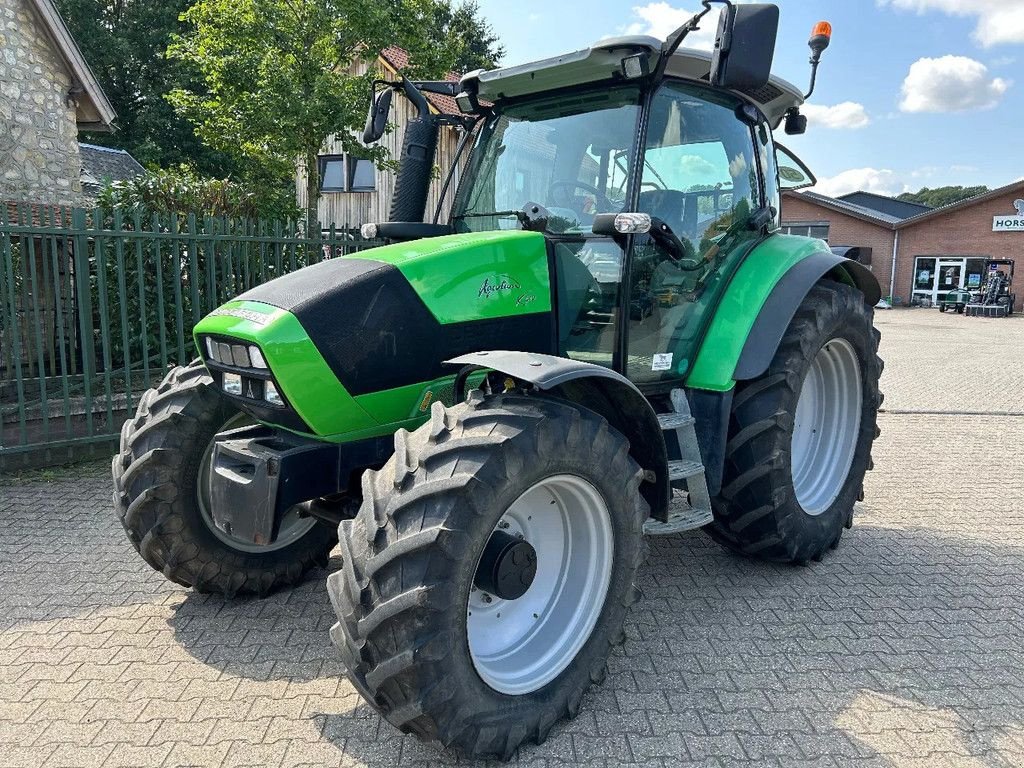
(662, 362)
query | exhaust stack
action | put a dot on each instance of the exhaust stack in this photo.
(416, 165)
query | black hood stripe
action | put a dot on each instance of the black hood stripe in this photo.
(375, 332)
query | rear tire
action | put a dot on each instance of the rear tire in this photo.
(410, 561)
(156, 476)
(759, 510)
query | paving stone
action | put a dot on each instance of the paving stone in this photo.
(905, 646)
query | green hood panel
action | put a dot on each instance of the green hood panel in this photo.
(735, 316)
(474, 276)
(357, 317)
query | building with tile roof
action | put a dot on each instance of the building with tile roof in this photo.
(101, 165)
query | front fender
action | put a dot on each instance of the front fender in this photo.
(760, 302)
(599, 389)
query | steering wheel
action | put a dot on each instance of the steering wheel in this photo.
(603, 202)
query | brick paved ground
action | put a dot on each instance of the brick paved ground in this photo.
(904, 648)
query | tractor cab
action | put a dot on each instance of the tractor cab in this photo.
(572, 159)
(650, 170)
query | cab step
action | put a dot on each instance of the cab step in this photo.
(681, 519)
(686, 473)
(684, 470)
(675, 420)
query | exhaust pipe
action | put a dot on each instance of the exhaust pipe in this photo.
(415, 168)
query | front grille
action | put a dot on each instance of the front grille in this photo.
(241, 374)
(240, 371)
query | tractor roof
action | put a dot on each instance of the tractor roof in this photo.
(603, 61)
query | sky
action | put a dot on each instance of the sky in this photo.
(910, 94)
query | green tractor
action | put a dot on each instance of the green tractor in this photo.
(609, 339)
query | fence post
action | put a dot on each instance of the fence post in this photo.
(83, 308)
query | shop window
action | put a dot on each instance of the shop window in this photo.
(924, 274)
(975, 274)
(346, 173)
(818, 230)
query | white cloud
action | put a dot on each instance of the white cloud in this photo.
(997, 21)
(950, 84)
(882, 181)
(848, 114)
(696, 166)
(737, 166)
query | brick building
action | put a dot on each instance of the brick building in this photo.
(919, 253)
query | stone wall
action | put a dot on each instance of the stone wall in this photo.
(39, 159)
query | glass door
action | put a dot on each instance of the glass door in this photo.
(924, 280)
(700, 178)
(935, 276)
(949, 277)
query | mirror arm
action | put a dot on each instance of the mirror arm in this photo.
(668, 240)
(466, 130)
(673, 41)
(815, 60)
(416, 97)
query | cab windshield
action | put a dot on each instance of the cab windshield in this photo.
(569, 153)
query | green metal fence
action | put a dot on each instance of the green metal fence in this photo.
(96, 306)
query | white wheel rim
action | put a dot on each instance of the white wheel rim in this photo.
(293, 525)
(826, 426)
(519, 646)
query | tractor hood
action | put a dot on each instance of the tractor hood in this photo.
(349, 344)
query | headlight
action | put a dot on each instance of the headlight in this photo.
(257, 358)
(224, 354)
(211, 349)
(271, 395)
(233, 384)
(240, 355)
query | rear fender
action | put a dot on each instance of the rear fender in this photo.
(759, 304)
(786, 297)
(599, 389)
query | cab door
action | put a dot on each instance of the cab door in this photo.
(701, 177)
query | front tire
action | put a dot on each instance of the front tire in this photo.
(159, 500)
(413, 617)
(800, 436)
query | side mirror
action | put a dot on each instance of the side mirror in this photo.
(618, 225)
(377, 119)
(745, 46)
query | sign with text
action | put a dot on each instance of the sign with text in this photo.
(1010, 223)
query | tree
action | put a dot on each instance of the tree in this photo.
(277, 75)
(940, 196)
(468, 36)
(124, 43)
